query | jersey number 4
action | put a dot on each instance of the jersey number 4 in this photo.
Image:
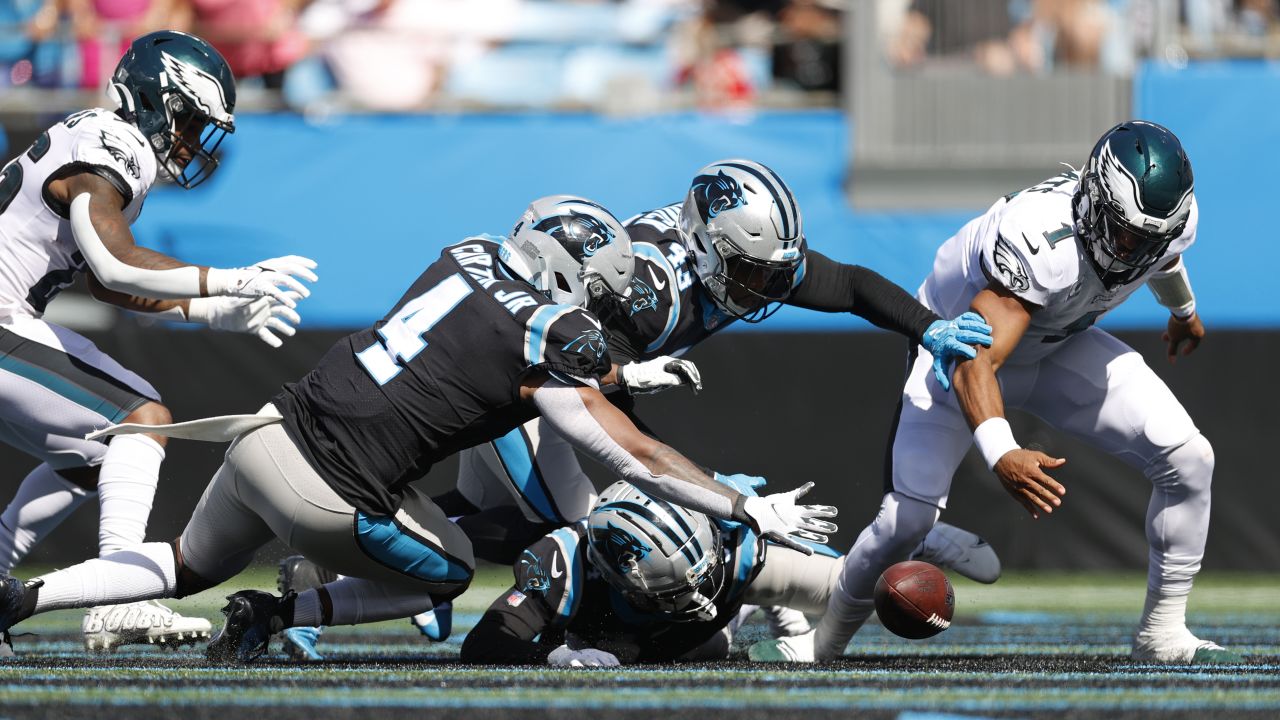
(400, 337)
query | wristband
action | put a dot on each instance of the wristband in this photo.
(994, 438)
(1172, 289)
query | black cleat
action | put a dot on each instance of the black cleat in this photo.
(298, 573)
(253, 616)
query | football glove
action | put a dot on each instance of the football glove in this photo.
(778, 517)
(258, 316)
(269, 278)
(563, 656)
(745, 484)
(658, 374)
(951, 340)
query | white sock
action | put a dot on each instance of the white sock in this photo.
(357, 601)
(844, 616)
(141, 572)
(306, 609)
(126, 487)
(43, 501)
(1163, 614)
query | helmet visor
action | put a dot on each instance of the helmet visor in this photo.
(751, 284)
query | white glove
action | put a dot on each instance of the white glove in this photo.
(658, 374)
(563, 656)
(274, 278)
(247, 315)
(778, 517)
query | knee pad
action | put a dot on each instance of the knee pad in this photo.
(1189, 465)
(902, 523)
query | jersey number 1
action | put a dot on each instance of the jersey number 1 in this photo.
(401, 336)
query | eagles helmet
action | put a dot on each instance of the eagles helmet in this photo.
(572, 250)
(661, 557)
(742, 226)
(1134, 198)
(180, 93)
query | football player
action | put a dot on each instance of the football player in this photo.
(1042, 265)
(66, 205)
(641, 580)
(491, 335)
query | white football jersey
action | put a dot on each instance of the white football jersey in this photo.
(1025, 242)
(38, 253)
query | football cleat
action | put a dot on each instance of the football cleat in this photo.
(253, 616)
(947, 546)
(796, 649)
(1181, 647)
(107, 627)
(6, 645)
(13, 608)
(436, 623)
(298, 573)
(300, 643)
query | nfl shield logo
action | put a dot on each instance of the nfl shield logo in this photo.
(515, 598)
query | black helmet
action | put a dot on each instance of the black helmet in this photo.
(170, 84)
(1134, 198)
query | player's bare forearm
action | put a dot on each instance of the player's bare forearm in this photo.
(975, 384)
(666, 460)
(977, 390)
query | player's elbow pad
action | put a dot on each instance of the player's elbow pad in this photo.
(172, 284)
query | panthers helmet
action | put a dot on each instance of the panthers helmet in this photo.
(1134, 198)
(661, 557)
(180, 93)
(572, 250)
(743, 228)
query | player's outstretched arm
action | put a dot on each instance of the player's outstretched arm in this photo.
(102, 233)
(1021, 471)
(593, 425)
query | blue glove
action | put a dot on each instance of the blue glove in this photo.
(951, 340)
(745, 484)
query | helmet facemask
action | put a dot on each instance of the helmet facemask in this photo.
(194, 140)
(747, 288)
(1119, 251)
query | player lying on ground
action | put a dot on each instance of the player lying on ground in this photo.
(641, 580)
(1042, 265)
(491, 335)
(733, 249)
(66, 205)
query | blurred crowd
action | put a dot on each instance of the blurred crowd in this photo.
(633, 54)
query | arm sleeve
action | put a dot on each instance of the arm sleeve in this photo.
(505, 634)
(562, 407)
(830, 286)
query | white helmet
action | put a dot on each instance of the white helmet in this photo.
(572, 250)
(661, 557)
(742, 226)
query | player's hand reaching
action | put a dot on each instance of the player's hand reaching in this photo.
(1189, 331)
(262, 316)
(949, 341)
(658, 374)
(564, 656)
(1022, 473)
(276, 278)
(778, 517)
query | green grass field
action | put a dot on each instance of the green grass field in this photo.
(1031, 645)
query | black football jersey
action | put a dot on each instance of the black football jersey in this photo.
(669, 308)
(440, 373)
(565, 593)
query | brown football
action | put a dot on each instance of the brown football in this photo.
(914, 600)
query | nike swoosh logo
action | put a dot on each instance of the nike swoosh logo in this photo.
(1034, 250)
(658, 284)
(555, 559)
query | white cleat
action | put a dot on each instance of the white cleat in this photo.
(796, 649)
(947, 546)
(785, 622)
(1180, 646)
(107, 627)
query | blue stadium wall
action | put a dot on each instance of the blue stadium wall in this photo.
(375, 198)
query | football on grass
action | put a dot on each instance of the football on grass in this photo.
(914, 600)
